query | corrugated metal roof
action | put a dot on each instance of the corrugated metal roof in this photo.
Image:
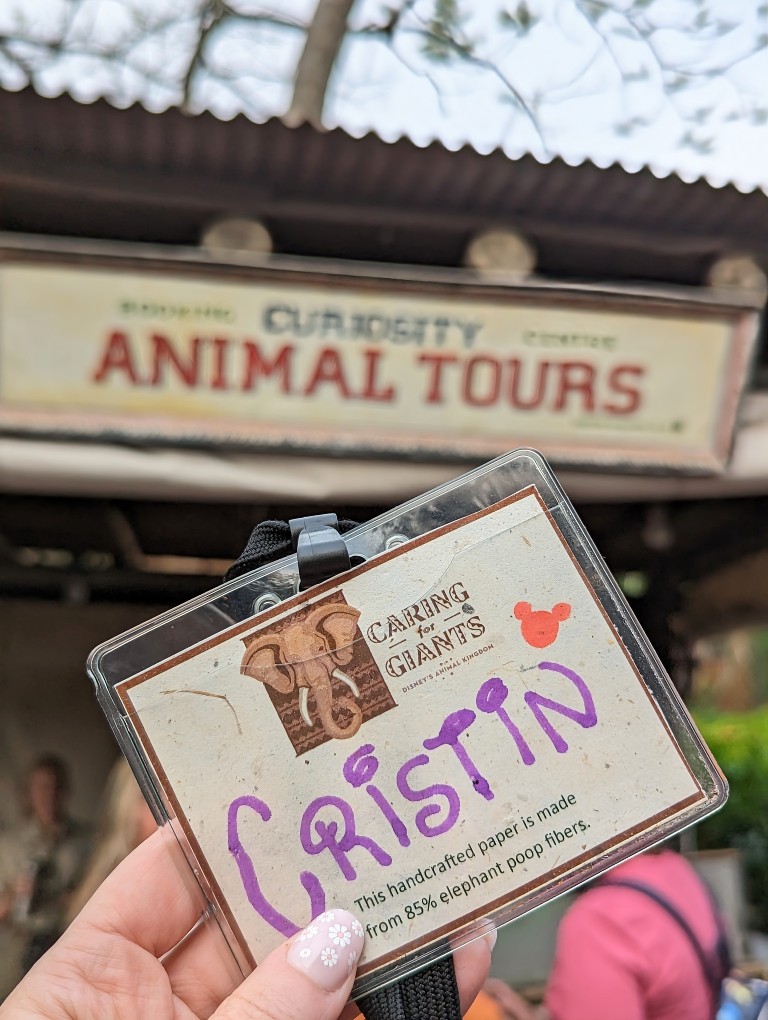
(95, 170)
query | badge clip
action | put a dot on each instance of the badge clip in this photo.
(321, 552)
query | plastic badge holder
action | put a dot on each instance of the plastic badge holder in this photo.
(463, 726)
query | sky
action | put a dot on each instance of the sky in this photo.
(569, 85)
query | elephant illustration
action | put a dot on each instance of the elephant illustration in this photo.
(308, 655)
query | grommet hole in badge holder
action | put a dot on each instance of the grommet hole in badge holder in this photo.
(266, 600)
(395, 541)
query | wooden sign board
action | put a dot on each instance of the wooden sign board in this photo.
(333, 360)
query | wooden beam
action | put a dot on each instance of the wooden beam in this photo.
(73, 181)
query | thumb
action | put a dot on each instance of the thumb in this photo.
(308, 978)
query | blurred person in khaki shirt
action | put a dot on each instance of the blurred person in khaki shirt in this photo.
(41, 861)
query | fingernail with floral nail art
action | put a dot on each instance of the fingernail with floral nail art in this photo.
(328, 949)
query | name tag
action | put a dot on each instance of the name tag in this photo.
(452, 732)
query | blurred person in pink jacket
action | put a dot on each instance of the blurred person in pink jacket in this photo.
(621, 955)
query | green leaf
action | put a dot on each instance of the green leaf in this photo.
(703, 146)
(441, 43)
(437, 50)
(593, 9)
(702, 115)
(521, 18)
(738, 742)
(676, 83)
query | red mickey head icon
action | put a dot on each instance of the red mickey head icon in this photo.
(539, 628)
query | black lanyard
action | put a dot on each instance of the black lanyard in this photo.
(430, 993)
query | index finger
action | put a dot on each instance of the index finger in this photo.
(151, 898)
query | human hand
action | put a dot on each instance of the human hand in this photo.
(138, 950)
(514, 1005)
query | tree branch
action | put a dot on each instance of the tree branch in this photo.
(325, 36)
(211, 16)
(14, 58)
(464, 52)
(265, 18)
(186, 31)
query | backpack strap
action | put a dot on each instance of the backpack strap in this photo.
(713, 976)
